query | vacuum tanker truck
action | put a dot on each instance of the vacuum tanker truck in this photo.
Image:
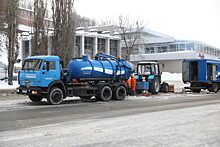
(103, 78)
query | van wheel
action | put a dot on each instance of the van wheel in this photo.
(55, 96)
(105, 93)
(155, 86)
(35, 98)
(213, 88)
(120, 93)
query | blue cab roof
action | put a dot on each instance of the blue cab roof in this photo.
(44, 57)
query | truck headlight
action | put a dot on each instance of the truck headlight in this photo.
(34, 92)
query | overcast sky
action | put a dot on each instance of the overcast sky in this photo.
(183, 19)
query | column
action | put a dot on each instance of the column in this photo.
(30, 47)
(119, 48)
(49, 45)
(107, 46)
(82, 46)
(95, 46)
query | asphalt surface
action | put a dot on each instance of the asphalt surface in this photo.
(22, 114)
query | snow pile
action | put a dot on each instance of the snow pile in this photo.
(4, 85)
(173, 79)
(166, 76)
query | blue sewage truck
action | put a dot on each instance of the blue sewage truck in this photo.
(201, 74)
(43, 77)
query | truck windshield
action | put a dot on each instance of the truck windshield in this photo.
(32, 64)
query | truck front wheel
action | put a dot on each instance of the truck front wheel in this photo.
(35, 98)
(55, 96)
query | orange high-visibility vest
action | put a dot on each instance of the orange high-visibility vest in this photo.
(133, 83)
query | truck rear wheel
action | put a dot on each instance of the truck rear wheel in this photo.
(155, 86)
(35, 98)
(120, 93)
(55, 96)
(105, 93)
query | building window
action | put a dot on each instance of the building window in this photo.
(26, 48)
(76, 51)
(113, 47)
(190, 46)
(162, 49)
(182, 47)
(173, 47)
(101, 45)
(149, 50)
(88, 42)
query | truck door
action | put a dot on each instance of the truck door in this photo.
(50, 72)
(185, 71)
(209, 72)
(194, 71)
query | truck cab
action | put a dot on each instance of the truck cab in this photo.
(37, 75)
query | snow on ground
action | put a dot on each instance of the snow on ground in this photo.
(23, 103)
(4, 85)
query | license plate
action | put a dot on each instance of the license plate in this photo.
(24, 91)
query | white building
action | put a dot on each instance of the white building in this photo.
(170, 52)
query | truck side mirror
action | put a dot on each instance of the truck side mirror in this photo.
(18, 60)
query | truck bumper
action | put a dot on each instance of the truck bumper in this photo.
(29, 91)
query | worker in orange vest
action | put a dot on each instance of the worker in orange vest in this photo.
(133, 84)
(129, 86)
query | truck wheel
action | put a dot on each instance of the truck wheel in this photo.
(105, 93)
(35, 98)
(155, 86)
(55, 96)
(120, 93)
(164, 87)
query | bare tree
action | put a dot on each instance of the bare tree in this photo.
(11, 11)
(130, 32)
(39, 40)
(64, 28)
(84, 21)
(3, 33)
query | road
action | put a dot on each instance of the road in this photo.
(160, 120)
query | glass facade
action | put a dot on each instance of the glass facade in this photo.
(180, 46)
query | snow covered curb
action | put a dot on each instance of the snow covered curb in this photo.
(4, 85)
(6, 89)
